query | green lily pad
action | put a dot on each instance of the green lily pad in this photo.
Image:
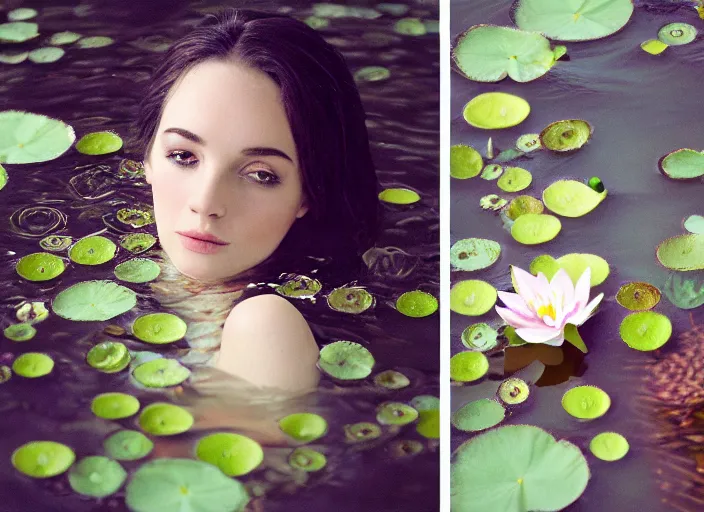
(685, 289)
(474, 254)
(94, 301)
(163, 419)
(465, 162)
(492, 202)
(653, 46)
(489, 53)
(683, 252)
(645, 330)
(535, 228)
(492, 171)
(524, 204)
(5, 373)
(396, 413)
(513, 391)
(21, 14)
(3, 176)
(516, 468)
(496, 110)
(468, 366)
(586, 402)
(95, 42)
(574, 264)
(128, 445)
(137, 243)
(393, 8)
(13, 58)
(97, 476)
(675, 34)
(307, 459)
(316, 22)
(480, 337)
(372, 74)
(55, 243)
(566, 135)
(422, 403)
(135, 217)
(428, 424)
(353, 300)
(682, 164)
(46, 55)
(399, 196)
(416, 304)
(472, 297)
(571, 198)
(40, 266)
(346, 360)
(693, 224)
(638, 296)
(18, 32)
(514, 179)
(478, 415)
(137, 270)
(528, 142)
(185, 485)
(304, 427)
(572, 21)
(114, 406)
(363, 431)
(20, 332)
(410, 27)
(32, 312)
(27, 138)
(161, 373)
(64, 38)
(330, 10)
(159, 328)
(99, 143)
(109, 357)
(609, 446)
(32, 365)
(43, 459)
(391, 379)
(92, 250)
(301, 287)
(234, 454)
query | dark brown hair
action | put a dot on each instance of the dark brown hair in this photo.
(324, 111)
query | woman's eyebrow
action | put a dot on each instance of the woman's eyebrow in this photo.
(186, 135)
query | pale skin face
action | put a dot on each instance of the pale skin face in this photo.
(243, 184)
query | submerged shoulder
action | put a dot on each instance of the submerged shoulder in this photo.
(268, 312)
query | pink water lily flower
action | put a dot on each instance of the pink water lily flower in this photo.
(541, 309)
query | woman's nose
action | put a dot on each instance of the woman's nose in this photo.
(207, 196)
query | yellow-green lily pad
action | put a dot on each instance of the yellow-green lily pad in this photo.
(3, 176)
(513, 391)
(694, 224)
(95, 42)
(64, 38)
(496, 110)
(40, 266)
(571, 198)
(428, 424)
(137, 270)
(683, 252)
(161, 373)
(21, 14)
(474, 254)
(128, 445)
(56, 243)
(97, 476)
(682, 164)
(307, 459)
(300, 287)
(33, 365)
(638, 296)
(465, 162)
(372, 74)
(492, 171)
(492, 202)
(94, 301)
(524, 204)
(574, 264)
(480, 337)
(353, 300)
(468, 366)
(396, 413)
(109, 357)
(13, 58)
(137, 243)
(478, 415)
(586, 402)
(416, 304)
(32, 138)
(363, 431)
(391, 379)
(514, 179)
(304, 427)
(645, 330)
(46, 55)
(653, 46)
(20, 332)
(609, 446)
(43, 459)
(92, 250)
(234, 454)
(566, 135)
(99, 143)
(164, 419)
(159, 328)
(114, 406)
(18, 32)
(472, 297)
(399, 196)
(346, 360)
(410, 27)
(528, 142)
(675, 34)
(535, 228)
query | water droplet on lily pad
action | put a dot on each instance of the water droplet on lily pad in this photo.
(55, 243)
(566, 135)
(32, 138)
(307, 459)
(478, 415)
(524, 204)
(474, 254)
(396, 413)
(513, 391)
(472, 297)
(609, 446)
(683, 252)
(363, 431)
(99, 143)
(128, 445)
(95, 42)
(20, 332)
(416, 304)
(18, 32)
(304, 427)
(410, 27)
(92, 250)
(391, 379)
(399, 196)
(43, 459)
(535, 228)
(496, 110)
(682, 164)
(353, 300)
(465, 162)
(480, 337)
(114, 406)
(96, 476)
(514, 179)
(528, 142)
(32, 365)
(109, 357)
(161, 373)
(159, 328)
(492, 202)
(94, 301)
(492, 171)
(137, 270)
(40, 266)
(372, 74)
(675, 34)
(46, 55)
(234, 454)
(638, 296)
(586, 402)
(64, 38)
(346, 360)
(645, 330)
(571, 198)
(164, 419)
(468, 366)
(301, 287)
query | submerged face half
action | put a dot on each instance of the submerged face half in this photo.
(224, 168)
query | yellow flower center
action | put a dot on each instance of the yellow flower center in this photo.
(548, 310)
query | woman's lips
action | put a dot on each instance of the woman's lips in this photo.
(200, 246)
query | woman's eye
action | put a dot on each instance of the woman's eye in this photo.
(181, 158)
(264, 177)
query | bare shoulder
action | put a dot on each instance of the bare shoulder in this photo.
(268, 342)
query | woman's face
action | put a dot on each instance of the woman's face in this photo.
(223, 163)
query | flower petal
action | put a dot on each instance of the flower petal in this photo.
(562, 281)
(525, 283)
(581, 289)
(516, 303)
(518, 321)
(538, 335)
(584, 314)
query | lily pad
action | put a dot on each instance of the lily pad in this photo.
(653, 46)
(128, 445)
(472, 297)
(468, 366)
(64, 38)
(399, 196)
(95, 42)
(94, 301)
(346, 360)
(609, 446)
(163, 419)
(396, 413)
(566, 135)
(307, 459)
(20, 332)
(137, 243)
(683, 252)
(535, 228)
(516, 468)
(43, 459)
(638, 296)
(474, 254)
(416, 304)
(685, 289)
(99, 143)
(3, 177)
(478, 415)
(423, 403)
(513, 391)
(21, 14)
(159, 328)
(27, 138)
(682, 164)
(185, 485)
(13, 58)
(496, 110)
(465, 162)
(428, 424)
(32, 312)
(492, 202)
(675, 34)
(480, 337)
(136, 217)
(410, 27)
(585, 20)
(391, 379)
(137, 270)
(18, 32)
(109, 357)
(353, 300)
(96, 476)
(161, 373)
(586, 402)
(304, 427)
(363, 431)
(40, 266)
(114, 406)
(234, 454)
(524, 204)
(574, 264)
(301, 287)
(528, 142)
(316, 22)
(32, 365)
(694, 224)
(46, 55)
(55, 243)
(514, 179)
(645, 330)
(92, 250)
(492, 171)
(330, 10)
(489, 53)
(372, 74)
(571, 198)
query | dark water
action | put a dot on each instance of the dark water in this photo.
(641, 107)
(78, 195)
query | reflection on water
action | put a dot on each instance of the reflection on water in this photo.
(78, 195)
